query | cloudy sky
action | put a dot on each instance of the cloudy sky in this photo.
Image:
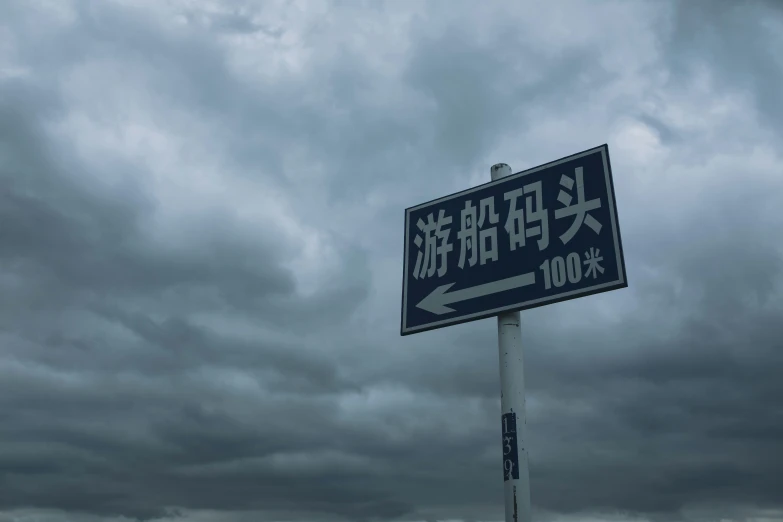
(201, 210)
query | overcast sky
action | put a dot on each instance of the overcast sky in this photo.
(201, 230)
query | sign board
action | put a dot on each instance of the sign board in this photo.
(536, 237)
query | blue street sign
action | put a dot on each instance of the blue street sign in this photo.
(540, 236)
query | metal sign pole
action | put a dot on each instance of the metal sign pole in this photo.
(516, 476)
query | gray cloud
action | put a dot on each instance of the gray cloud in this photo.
(200, 228)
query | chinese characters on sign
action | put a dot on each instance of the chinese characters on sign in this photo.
(531, 238)
(478, 243)
(436, 246)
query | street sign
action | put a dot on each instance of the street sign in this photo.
(537, 237)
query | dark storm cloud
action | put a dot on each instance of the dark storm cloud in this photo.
(137, 376)
(71, 253)
(77, 245)
(114, 221)
(101, 397)
(738, 43)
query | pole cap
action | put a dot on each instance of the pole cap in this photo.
(500, 170)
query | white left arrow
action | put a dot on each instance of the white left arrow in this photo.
(437, 300)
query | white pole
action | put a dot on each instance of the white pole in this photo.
(512, 404)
